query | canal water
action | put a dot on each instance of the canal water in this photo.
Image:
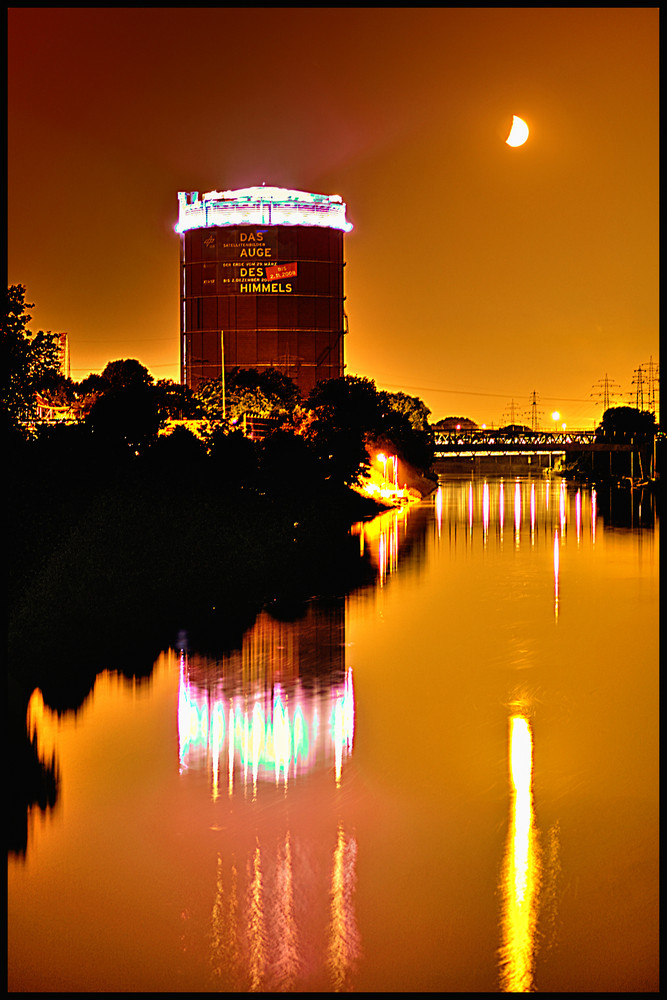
(445, 781)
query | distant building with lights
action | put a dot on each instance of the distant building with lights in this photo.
(262, 283)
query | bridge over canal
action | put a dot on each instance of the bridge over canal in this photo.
(541, 448)
(525, 442)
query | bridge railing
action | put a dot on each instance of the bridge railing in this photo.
(499, 440)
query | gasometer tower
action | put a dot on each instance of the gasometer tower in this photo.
(262, 283)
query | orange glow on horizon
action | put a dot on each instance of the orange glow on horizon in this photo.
(128, 306)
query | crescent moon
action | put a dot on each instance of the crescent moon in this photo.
(518, 132)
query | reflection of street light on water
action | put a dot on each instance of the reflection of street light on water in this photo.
(384, 459)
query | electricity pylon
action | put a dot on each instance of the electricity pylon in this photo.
(534, 414)
(607, 392)
(512, 413)
(638, 381)
(653, 381)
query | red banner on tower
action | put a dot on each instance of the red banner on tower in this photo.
(276, 272)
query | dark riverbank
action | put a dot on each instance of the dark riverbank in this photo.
(146, 559)
(109, 563)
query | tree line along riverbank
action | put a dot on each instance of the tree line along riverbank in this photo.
(110, 555)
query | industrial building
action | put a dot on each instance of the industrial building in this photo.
(262, 283)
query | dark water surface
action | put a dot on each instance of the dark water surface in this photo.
(444, 782)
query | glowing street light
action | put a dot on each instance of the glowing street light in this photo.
(555, 416)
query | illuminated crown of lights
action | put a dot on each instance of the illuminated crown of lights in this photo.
(260, 206)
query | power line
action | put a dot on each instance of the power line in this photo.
(471, 392)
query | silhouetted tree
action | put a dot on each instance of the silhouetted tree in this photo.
(128, 418)
(412, 407)
(246, 390)
(234, 459)
(127, 374)
(179, 453)
(28, 361)
(623, 423)
(345, 411)
(176, 401)
(58, 390)
(279, 388)
(93, 383)
(455, 423)
(349, 413)
(288, 464)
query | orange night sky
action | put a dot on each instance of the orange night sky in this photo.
(476, 273)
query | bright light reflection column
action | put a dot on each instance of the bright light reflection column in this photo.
(521, 873)
(556, 571)
(562, 506)
(501, 510)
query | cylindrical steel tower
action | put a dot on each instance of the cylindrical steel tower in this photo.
(262, 283)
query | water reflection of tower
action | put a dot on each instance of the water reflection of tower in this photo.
(278, 708)
(281, 650)
(279, 704)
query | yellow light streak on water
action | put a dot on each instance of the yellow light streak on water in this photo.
(224, 949)
(286, 960)
(501, 510)
(256, 932)
(556, 571)
(343, 933)
(521, 875)
(563, 498)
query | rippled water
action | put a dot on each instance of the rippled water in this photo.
(444, 782)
